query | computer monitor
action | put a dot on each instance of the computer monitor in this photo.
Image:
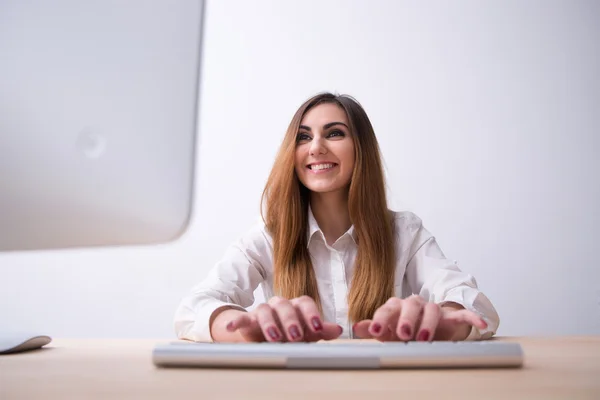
(98, 119)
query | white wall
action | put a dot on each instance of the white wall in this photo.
(488, 117)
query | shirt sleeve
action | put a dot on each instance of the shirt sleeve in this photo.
(231, 282)
(439, 280)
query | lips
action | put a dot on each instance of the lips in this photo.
(322, 166)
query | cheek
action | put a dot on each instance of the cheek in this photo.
(348, 156)
(349, 164)
(299, 161)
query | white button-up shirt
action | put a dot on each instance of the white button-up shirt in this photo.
(421, 268)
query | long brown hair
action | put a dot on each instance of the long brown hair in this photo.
(284, 208)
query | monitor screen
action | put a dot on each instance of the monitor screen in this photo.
(98, 119)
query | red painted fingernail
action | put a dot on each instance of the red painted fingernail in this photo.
(376, 328)
(316, 323)
(424, 336)
(229, 326)
(273, 333)
(406, 330)
(294, 332)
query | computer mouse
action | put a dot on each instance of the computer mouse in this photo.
(15, 342)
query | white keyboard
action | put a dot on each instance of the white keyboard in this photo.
(344, 355)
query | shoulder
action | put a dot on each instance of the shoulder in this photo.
(255, 240)
(409, 232)
(405, 222)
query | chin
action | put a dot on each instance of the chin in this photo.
(323, 188)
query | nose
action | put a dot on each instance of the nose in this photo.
(318, 146)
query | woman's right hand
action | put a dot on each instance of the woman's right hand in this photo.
(282, 320)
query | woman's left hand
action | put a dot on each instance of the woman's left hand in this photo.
(415, 319)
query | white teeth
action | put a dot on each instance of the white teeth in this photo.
(318, 167)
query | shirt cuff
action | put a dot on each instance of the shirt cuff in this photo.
(468, 298)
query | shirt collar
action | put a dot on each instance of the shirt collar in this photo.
(313, 227)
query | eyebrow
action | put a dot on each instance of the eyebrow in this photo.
(326, 126)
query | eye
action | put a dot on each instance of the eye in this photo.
(336, 132)
(302, 137)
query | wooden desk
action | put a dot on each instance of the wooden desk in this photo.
(566, 368)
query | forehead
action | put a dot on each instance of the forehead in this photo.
(324, 113)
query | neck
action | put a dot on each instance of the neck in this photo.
(331, 212)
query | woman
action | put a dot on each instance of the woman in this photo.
(332, 260)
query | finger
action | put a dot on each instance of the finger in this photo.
(330, 331)
(309, 313)
(465, 316)
(429, 322)
(248, 326)
(308, 333)
(288, 318)
(386, 316)
(268, 323)
(242, 321)
(361, 329)
(409, 315)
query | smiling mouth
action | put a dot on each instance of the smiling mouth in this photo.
(321, 167)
